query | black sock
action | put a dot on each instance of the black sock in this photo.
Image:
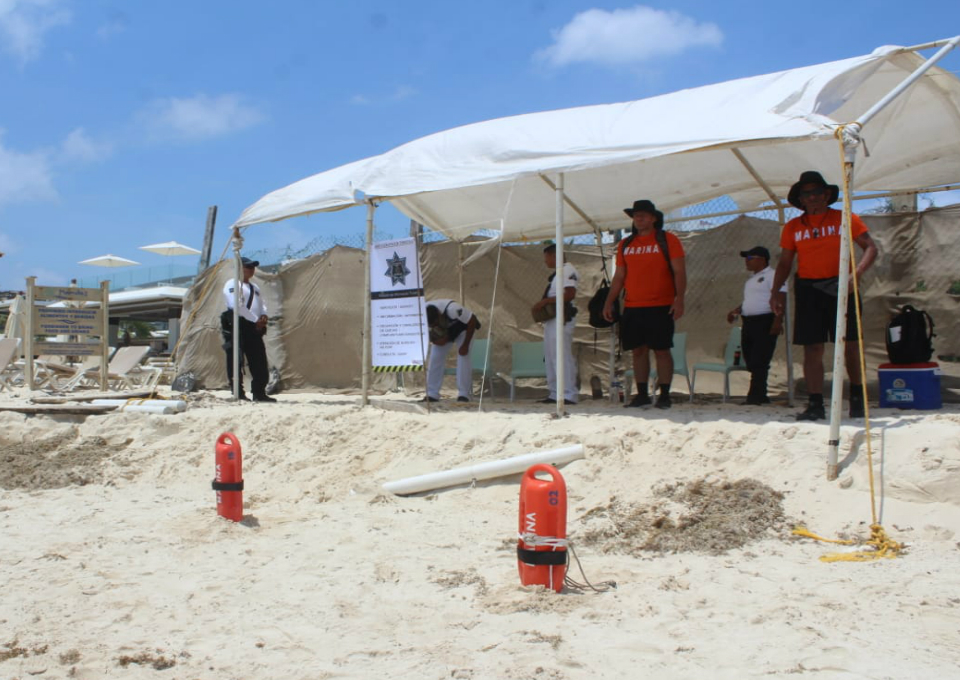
(816, 400)
(665, 388)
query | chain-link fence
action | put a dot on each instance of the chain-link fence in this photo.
(919, 264)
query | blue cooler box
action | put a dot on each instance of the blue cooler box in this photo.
(910, 386)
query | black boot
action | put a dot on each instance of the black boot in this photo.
(814, 410)
(663, 401)
(757, 395)
(641, 398)
(856, 401)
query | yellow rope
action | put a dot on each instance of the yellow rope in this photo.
(878, 546)
(881, 546)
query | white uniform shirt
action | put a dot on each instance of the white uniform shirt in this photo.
(570, 278)
(250, 309)
(756, 293)
(455, 311)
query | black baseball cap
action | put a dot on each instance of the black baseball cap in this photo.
(756, 250)
(247, 262)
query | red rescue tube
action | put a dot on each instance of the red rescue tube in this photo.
(228, 481)
(542, 544)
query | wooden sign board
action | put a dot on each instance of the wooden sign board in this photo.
(80, 349)
(67, 293)
(67, 321)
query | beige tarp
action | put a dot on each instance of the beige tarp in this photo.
(315, 336)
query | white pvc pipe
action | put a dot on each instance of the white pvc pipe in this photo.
(164, 406)
(496, 468)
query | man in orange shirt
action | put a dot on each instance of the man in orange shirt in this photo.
(813, 239)
(652, 272)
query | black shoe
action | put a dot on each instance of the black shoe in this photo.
(264, 398)
(663, 401)
(856, 409)
(569, 402)
(548, 400)
(430, 399)
(753, 400)
(638, 401)
(462, 399)
(813, 412)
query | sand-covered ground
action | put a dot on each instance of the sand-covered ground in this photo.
(114, 563)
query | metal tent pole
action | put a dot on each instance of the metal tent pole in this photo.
(786, 312)
(235, 335)
(562, 368)
(365, 383)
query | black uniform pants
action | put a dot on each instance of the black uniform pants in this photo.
(251, 347)
(758, 346)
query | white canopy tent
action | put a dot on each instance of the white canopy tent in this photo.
(676, 148)
(747, 139)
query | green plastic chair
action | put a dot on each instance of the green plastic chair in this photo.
(679, 354)
(527, 363)
(731, 356)
(478, 356)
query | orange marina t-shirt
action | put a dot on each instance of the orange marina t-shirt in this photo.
(816, 241)
(648, 282)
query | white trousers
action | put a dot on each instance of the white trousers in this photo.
(436, 360)
(550, 356)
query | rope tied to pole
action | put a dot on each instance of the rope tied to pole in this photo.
(880, 545)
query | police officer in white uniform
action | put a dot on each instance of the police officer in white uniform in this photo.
(253, 325)
(451, 325)
(761, 325)
(569, 283)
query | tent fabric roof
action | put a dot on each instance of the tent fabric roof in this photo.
(675, 149)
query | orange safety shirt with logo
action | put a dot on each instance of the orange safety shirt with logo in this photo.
(648, 281)
(816, 240)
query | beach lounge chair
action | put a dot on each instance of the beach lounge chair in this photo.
(9, 366)
(50, 370)
(732, 361)
(124, 372)
(527, 362)
(679, 354)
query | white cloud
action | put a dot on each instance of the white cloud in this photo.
(199, 117)
(24, 176)
(79, 146)
(404, 92)
(399, 93)
(115, 24)
(627, 36)
(23, 24)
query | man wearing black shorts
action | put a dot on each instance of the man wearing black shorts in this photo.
(813, 239)
(652, 273)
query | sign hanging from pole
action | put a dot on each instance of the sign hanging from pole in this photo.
(398, 326)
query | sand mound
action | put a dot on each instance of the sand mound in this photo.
(698, 516)
(64, 459)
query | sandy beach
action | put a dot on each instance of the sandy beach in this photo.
(116, 565)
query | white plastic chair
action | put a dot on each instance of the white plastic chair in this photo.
(732, 361)
(679, 354)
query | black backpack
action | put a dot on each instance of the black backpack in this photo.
(599, 298)
(595, 306)
(910, 337)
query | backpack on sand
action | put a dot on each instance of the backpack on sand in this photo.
(910, 336)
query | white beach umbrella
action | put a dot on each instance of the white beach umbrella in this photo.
(170, 248)
(109, 261)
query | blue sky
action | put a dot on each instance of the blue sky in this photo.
(122, 121)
